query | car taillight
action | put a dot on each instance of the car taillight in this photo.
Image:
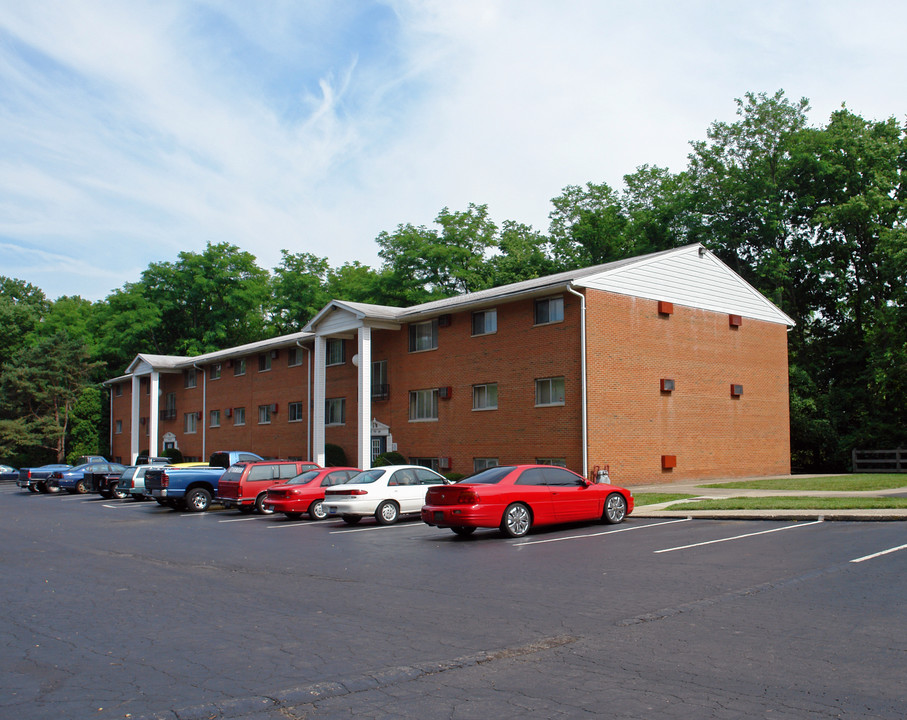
(467, 497)
(56, 476)
(165, 480)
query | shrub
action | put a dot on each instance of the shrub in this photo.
(334, 456)
(389, 458)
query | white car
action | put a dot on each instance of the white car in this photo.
(383, 492)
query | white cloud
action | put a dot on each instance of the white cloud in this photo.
(131, 131)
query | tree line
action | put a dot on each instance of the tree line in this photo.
(812, 216)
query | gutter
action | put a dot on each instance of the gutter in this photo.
(204, 419)
(585, 403)
(308, 400)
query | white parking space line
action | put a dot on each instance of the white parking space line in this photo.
(879, 554)
(242, 519)
(740, 537)
(293, 523)
(372, 528)
(604, 532)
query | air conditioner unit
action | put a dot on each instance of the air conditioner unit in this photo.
(198, 416)
(734, 320)
(229, 363)
(273, 407)
(445, 392)
(228, 412)
(444, 321)
(667, 385)
(665, 308)
(274, 354)
(444, 463)
(736, 390)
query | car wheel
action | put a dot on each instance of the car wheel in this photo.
(260, 505)
(293, 515)
(119, 494)
(516, 521)
(317, 511)
(615, 509)
(198, 500)
(351, 519)
(52, 487)
(387, 513)
(81, 487)
(42, 486)
(33, 488)
(106, 494)
(463, 531)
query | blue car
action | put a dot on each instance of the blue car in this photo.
(35, 479)
(8, 474)
(74, 480)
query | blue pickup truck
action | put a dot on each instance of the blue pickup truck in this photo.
(192, 488)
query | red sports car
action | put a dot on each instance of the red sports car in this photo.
(516, 497)
(305, 493)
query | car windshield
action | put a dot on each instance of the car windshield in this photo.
(303, 478)
(365, 477)
(128, 473)
(489, 476)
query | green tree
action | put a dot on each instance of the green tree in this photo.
(298, 291)
(588, 227)
(86, 421)
(128, 322)
(22, 306)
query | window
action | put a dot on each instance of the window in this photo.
(532, 476)
(334, 411)
(214, 371)
(169, 411)
(484, 322)
(118, 390)
(294, 412)
(479, 464)
(423, 336)
(426, 479)
(380, 388)
(191, 423)
(264, 414)
(190, 378)
(119, 427)
(239, 416)
(294, 356)
(549, 310)
(549, 391)
(556, 462)
(562, 477)
(214, 418)
(485, 397)
(423, 404)
(264, 362)
(239, 367)
(334, 352)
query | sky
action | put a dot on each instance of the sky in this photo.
(132, 130)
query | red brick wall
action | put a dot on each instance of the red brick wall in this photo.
(632, 423)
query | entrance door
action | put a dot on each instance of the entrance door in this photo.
(379, 445)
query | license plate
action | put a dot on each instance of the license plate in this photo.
(439, 516)
(332, 511)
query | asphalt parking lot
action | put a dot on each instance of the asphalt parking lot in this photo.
(127, 610)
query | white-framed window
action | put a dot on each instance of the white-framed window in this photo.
(191, 423)
(334, 352)
(432, 463)
(118, 390)
(239, 367)
(556, 462)
(549, 391)
(380, 388)
(479, 464)
(549, 310)
(484, 322)
(294, 356)
(423, 336)
(190, 378)
(334, 411)
(264, 414)
(214, 418)
(485, 397)
(423, 404)
(214, 371)
(239, 416)
(119, 427)
(294, 412)
(264, 362)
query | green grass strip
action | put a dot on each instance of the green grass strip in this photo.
(838, 483)
(794, 503)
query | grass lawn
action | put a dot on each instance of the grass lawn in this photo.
(840, 483)
(656, 498)
(793, 503)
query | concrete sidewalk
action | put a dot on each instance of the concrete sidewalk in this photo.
(697, 490)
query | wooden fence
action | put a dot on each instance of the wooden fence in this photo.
(880, 460)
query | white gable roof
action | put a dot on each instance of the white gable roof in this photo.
(690, 276)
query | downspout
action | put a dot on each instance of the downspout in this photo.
(204, 408)
(585, 402)
(308, 401)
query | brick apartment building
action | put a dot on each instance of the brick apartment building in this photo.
(665, 366)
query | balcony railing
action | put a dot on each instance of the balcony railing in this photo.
(381, 392)
(168, 414)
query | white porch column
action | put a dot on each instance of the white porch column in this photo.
(134, 423)
(318, 402)
(365, 398)
(154, 413)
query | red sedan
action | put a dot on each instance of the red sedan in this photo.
(305, 493)
(515, 498)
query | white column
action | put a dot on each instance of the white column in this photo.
(154, 413)
(134, 426)
(365, 398)
(318, 402)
